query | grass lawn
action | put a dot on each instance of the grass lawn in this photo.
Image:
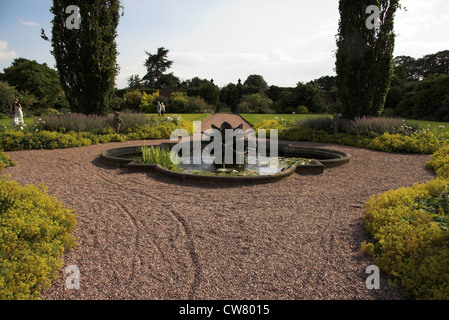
(432, 124)
(7, 122)
(256, 118)
(192, 116)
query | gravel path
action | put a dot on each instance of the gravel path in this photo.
(142, 236)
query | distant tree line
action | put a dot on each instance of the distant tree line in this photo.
(419, 90)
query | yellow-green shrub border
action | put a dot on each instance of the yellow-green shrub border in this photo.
(35, 230)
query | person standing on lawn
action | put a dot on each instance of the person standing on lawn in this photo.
(17, 111)
(159, 108)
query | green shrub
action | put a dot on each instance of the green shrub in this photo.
(408, 241)
(302, 110)
(35, 230)
(439, 162)
(5, 161)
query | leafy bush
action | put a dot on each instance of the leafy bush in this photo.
(35, 230)
(178, 102)
(302, 110)
(410, 241)
(133, 99)
(5, 161)
(255, 103)
(147, 103)
(439, 162)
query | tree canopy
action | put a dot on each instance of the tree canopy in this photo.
(39, 80)
(157, 64)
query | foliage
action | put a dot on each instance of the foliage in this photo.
(5, 161)
(161, 156)
(133, 99)
(36, 80)
(436, 64)
(430, 95)
(89, 85)
(178, 102)
(409, 241)
(255, 103)
(362, 93)
(147, 101)
(203, 88)
(134, 82)
(302, 110)
(35, 230)
(134, 127)
(439, 161)
(156, 65)
(257, 81)
(7, 96)
(362, 133)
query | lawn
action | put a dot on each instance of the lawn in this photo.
(192, 116)
(188, 117)
(256, 118)
(7, 122)
(433, 125)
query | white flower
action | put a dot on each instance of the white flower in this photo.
(441, 127)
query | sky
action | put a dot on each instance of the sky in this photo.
(285, 41)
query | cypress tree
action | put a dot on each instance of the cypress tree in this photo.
(364, 63)
(85, 51)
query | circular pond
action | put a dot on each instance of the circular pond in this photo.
(312, 161)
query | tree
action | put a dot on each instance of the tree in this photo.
(156, 65)
(7, 95)
(406, 68)
(434, 64)
(257, 81)
(86, 56)
(169, 81)
(229, 96)
(310, 96)
(364, 56)
(134, 82)
(36, 79)
(429, 96)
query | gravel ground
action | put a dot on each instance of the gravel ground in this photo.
(143, 236)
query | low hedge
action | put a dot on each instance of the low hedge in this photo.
(423, 142)
(14, 140)
(35, 230)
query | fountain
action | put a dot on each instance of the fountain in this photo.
(227, 155)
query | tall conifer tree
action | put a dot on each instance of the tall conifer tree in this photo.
(85, 51)
(364, 63)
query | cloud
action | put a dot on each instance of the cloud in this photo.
(29, 23)
(4, 53)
